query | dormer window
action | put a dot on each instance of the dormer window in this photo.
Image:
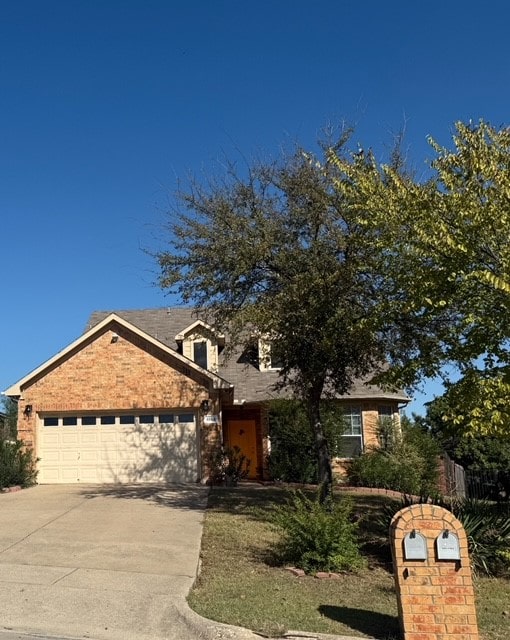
(269, 360)
(200, 343)
(200, 353)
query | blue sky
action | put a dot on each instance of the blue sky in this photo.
(105, 104)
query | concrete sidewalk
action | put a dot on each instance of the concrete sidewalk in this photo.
(104, 563)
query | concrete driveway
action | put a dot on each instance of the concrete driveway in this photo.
(101, 562)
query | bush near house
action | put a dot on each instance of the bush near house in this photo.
(405, 460)
(17, 464)
(228, 466)
(293, 456)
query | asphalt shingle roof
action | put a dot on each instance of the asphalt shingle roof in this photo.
(250, 384)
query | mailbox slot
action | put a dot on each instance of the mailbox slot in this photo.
(447, 544)
(415, 546)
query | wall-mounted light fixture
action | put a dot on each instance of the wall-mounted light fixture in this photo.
(115, 338)
(204, 406)
(28, 410)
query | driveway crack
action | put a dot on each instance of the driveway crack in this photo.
(65, 576)
(61, 515)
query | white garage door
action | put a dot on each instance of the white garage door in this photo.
(118, 448)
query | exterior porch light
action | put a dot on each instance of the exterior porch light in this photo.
(204, 406)
(28, 410)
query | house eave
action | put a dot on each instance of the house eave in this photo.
(16, 389)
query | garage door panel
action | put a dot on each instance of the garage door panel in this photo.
(70, 473)
(51, 439)
(51, 456)
(69, 438)
(69, 456)
(107, 436)
(118, 453)
(50, 475)
(88, 438)
(88, 456)
(90, 474)
(107, 456)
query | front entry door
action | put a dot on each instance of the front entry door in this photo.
(243, 434)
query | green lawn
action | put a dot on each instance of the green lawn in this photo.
(240, 585)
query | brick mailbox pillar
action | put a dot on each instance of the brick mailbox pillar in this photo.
(432, 575)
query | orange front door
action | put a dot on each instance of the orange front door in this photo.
(243, 434)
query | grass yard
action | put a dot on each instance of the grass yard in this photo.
(240, 584)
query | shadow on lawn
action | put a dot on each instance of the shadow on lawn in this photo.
(377, 625)
(255, 502)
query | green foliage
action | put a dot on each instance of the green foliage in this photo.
(488, 533)
(444, 246)
(293, 457)
(317, 536)
(8, 428)
(17, 465)
(473, 451)
(405, 460)
(228, 466)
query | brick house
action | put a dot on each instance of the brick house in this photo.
(146, 396)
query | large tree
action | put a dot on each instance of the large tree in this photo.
(281, 251)
(445, 243)
(470, 450)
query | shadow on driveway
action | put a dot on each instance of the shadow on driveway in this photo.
(175, 496)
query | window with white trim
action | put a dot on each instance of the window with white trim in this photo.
(200, 353)
(385, 411)
(350, 442)
(269, 358)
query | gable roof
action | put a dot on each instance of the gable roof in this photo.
(113, 319)
(199, 323)
(250, 384)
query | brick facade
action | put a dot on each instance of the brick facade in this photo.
(141, 362)
(370, 421)
(109, 374)
(435, 597)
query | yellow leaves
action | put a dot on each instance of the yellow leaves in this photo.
(479, 404)
(489, 278)
(435, 303)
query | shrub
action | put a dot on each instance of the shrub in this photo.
(488, 534)
(292, 457)
(404, 461)
(228, 466)
(317, 536)
(17, 465)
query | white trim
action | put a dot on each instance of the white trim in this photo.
(198, 323)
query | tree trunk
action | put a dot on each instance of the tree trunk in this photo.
(321, 446)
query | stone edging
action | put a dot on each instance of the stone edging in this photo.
(322, 575)
(11, 489)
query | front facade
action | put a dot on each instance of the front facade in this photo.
(146, 396)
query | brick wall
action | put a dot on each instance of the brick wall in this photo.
(435, 597)
(111, 375)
